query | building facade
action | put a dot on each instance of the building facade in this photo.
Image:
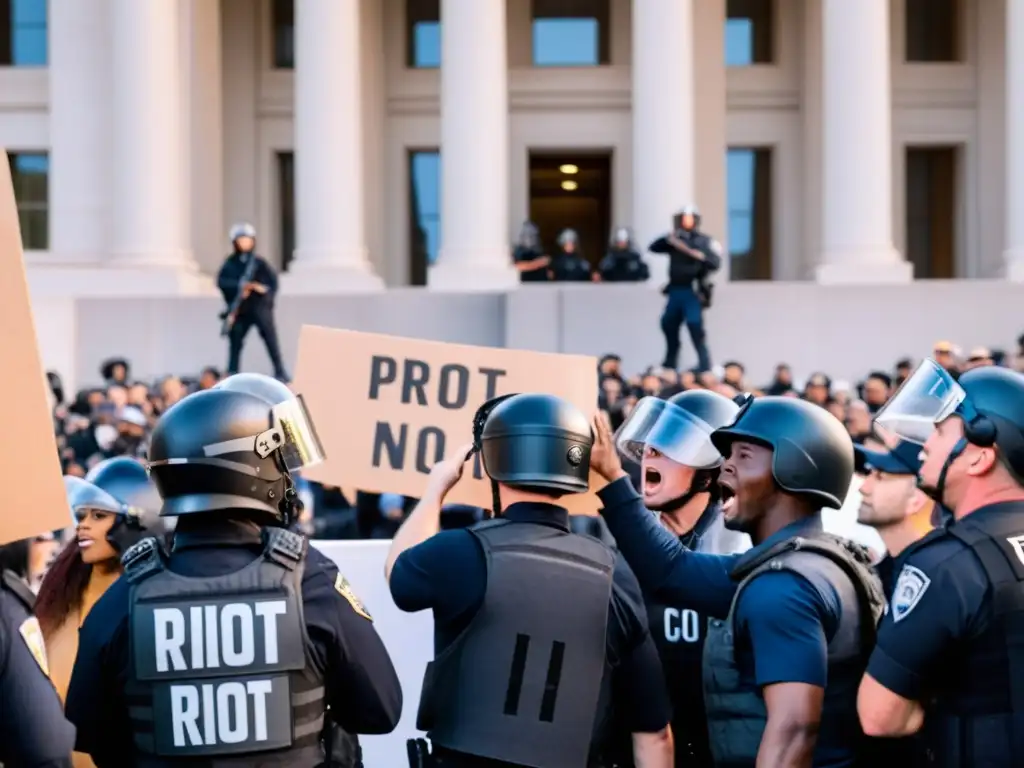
(398, 142)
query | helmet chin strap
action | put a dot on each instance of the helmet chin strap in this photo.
(938, 491)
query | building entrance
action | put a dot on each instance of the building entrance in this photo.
(572, 190)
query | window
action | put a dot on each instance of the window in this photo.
(31, 174)
(749, 32)
(931, 209)
(749, 190)
(286, 205)
(423, 34)
(424, 212)
(571, 33)
(23, 33)
(284, 34)
(933, 31)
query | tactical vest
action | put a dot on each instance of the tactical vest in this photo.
(976, 717)
(221, 667)
(522, 682)
(735, 709)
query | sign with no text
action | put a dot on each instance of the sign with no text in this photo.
(29, 466)
(388, 408)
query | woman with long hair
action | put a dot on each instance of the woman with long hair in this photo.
(109, 520)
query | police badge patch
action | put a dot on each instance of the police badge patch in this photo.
(32, 634)
(345, 590)
(910, 588)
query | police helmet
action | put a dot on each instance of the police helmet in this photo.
(989, 400)
(536, 442)
(119, 487)
(680, 428)
(621, 235)
(242, 229)
(688, 210)
(812, 453)
(233, 446)
(568, 236)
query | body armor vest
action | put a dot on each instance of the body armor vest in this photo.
(221, 667)
(735, 709)
(522, 682)
(976, 717)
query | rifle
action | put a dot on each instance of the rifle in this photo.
(231, 314)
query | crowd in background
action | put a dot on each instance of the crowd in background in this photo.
(115, 417)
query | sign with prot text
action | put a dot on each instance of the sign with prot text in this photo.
(388, 408)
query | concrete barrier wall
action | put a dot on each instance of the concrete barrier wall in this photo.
(844, 330)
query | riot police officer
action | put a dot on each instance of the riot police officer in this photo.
(949, 653)
(33, 731)
(679, 482)
(799, 608)
(249, 286)
(529, 618)
(693, 257)
(528, 257)
(233, 645)
(568, 265)
(622, 263)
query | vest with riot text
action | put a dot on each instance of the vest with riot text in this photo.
(221, 667)
(736, 713)
(522, 682)
(976, 715)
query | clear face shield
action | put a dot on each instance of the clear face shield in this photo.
(291, 433)
(928, 396)
(83, 496)
(668, 429)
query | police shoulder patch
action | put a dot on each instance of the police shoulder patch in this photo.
(716, 247)
(344, 589)
(32, 634)
(910, 588)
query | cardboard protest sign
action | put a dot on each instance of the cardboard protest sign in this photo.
(388, 408)
(30, 474)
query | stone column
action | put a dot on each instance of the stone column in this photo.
(1014, 254)
(147, 148)
(663, 119)
(330, 252)
(475, 249)
(80, 162)
(857, 239)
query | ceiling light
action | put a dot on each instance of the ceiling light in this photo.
(569, 186)
(569, 169)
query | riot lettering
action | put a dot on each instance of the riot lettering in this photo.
(682, 625)
(224, 713)
(215, 634)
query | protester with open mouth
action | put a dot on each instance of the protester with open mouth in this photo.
(794, 616)
(679, 468)
(106, 527)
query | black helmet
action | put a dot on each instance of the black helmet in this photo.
(124, 490)
(233, 447)
(680, 427)
(812, 451)
(536, 442)
(989, 400)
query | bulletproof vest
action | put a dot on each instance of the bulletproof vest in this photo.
(736, 712)
(683, 269)
(522, 682)
(569, 267)
(221, 667)
(976, 716)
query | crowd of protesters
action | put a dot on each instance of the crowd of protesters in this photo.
(115, 417)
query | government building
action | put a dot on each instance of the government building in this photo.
(862, 162)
